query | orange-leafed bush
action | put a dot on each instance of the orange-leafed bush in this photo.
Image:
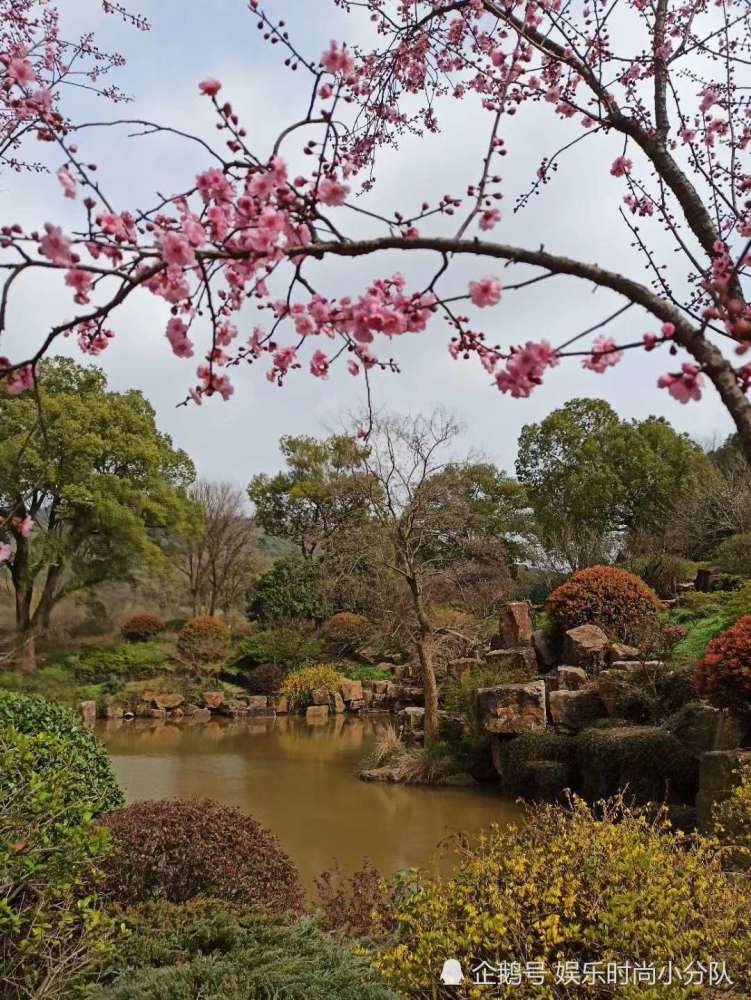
(345, 631)
(619, 602)
(203, 640)
(141, 628)
(724, 675)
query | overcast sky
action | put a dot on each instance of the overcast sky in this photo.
(576, 214)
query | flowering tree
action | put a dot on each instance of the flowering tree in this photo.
(661, 82)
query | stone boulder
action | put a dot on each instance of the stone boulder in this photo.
(572, 711)
(412, 718)
(320, 696)
(88, 712)
(521, 661)
(350, 690)
(258, 704)
(213, 699)
(357, 705)
(719, 774)
(317, 713)
(586, 646)
(114, 712)
(168, 701)
(281, 705)
(458, 669)
(571, 678)
(337, 703)
(512, 708)
(696, 726)
(544, 650)
(157, 713)
(409, 694)
(380, 687)
(619, 651)
(516, 624)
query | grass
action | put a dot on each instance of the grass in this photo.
(705, 616)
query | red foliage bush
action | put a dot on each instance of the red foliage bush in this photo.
(141, 628)
(174, 850)
(203, 640)
(619, 602)
(265, 679)
(724, 675)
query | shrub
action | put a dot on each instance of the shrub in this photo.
(116, 663)
(175, 850)
(734, 554)
(731, 820)
(724, 675)
(266, 679)
(203, 640)
(664, 572)
(345, 631)
(290, 591)
(518, 757)
(616, 600)
(298, 685)
(52, 932)
(205, 948)
(92, 781)
(141, 628)
(284, 647)
(574, 885)
(458, 696)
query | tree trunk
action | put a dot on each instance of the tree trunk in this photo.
(48, 600)
(425, 656)
(28, 653)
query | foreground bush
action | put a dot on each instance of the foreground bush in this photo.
(731, 820)
(299, 685)
(52, 933)
(619, 602)
(724, 675)
(175, 850)
(345, 631)
(571, 886)
(203, 640)
(208, 949)
(141, 628)
(91, 781)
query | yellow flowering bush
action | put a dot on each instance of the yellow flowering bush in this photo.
(573, 886)
(299, 684)
(732, 821)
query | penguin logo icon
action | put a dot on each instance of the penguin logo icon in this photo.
(451, 974)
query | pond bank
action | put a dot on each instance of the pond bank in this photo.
(300, 781)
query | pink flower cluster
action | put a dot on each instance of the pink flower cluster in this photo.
(684, 385)
(525, 368)
(486, 292)
(604, 355)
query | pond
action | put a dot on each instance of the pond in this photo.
(301, 782)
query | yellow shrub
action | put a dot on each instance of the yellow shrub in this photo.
(732, 821)
(298, 685)
(569, 887)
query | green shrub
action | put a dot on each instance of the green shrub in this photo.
(724, 674)
(175, 850)
(299, 684)
(362, 672)
(207, 949)
(457, 696)
(734, 554)
(54, 682)
(577, 885)
(141, 628)
(116, 663)
(345, 631)
(203, 640)
(285, 647)
(619, 602)
(664, 572)
(52, 932)
(291, 591)
(92, 781)
(706, 616)
(517, 757)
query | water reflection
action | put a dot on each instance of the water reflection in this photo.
(300, 781)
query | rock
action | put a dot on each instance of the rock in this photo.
(282, 705)
(520, 662)
(618, 651)
(571, 678)
(320, 696)
(142, 710)
(732, 731)
(350, 690)
(511, 708)
(712, 579)
(572, 711)
(585, 646)
(410, 694)
(258, 704)
(167, 700)
(637, 666)
(392, 690)
(201, 715)
(718, 776)
(190, 709)
(696, 725)
(381, 687)
(176, 713)
(626, 694)
(648, 762)
(234, 708)
(412, 718)
(113, 712)
(368, 655)
(337, 703)
(213, 699)
(516, 625)
(88, 712)
(157, 713)
(458, 669)
(317, 713)
(356, 706)
(544, 650)
(367, 697)
(385, 668)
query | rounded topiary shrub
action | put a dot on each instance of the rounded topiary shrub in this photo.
(619, 602)
(265, 679)
(141, 628)
(90, 778)
(176, 850)
(203, 640)
(345, 631)
(724, 675)
(299, 685)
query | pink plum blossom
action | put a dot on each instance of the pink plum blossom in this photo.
(20, 71)
(55, 246)
(332, 192)
(5, 552)
(604, 355)
(67, 181)
(621, 166)
(336, 60)
(685, 385)
(81, 281)
(319, 365)
(489, 219)
(486, 292)
(25, 527)
(177, 250)
(210, 87)
(525, 368)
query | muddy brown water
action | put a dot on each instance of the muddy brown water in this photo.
(301, 782)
